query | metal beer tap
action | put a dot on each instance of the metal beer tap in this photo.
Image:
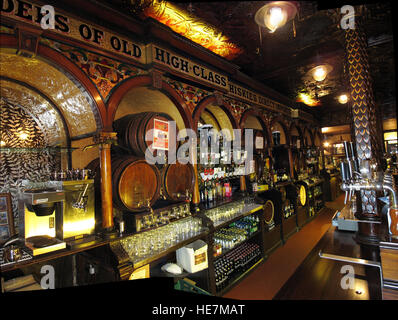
(367, 180)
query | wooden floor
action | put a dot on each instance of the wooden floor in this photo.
(267, 279)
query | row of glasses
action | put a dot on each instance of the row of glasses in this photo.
(146, 244)
(165, 216)
(225, 213)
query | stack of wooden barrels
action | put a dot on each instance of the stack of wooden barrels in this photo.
(137, 184)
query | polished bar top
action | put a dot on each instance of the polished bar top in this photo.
(323, 279)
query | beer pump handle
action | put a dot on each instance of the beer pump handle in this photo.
(343, 171)
(354, 158)
(344, 177)
(347, 150)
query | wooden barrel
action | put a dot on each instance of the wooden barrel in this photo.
(134, 181)
(131, 130)
(176, 179)
(302, 195)
(269, 210)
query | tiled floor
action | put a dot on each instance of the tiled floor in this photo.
(266, 280)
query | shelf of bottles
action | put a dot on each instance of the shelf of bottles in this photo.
(261, 178)
(227, 238)
(288, 209)
(219, 169)
(235, 263)
(315, 198)
(236, 249)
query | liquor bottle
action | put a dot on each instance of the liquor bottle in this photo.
(202, 192)
(214, 189)
(206, 193)
(219, 188)
(209, 192)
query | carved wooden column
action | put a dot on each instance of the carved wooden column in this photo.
(365, 129)
(195, 192)
(105, 139)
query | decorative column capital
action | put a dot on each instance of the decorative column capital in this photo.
(157, 78)
(105, 138)
(219, 97)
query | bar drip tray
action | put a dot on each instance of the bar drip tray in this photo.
(43, 244)
(42, 241)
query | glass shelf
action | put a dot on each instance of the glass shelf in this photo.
(35, 150)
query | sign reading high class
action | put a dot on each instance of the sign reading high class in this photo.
(187, 67)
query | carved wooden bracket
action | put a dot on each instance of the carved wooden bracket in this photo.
(28, 40)
(157, 78)
(125, 267)
(219, 97)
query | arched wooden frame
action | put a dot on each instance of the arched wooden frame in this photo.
(212, 100)
(299, 130)
(58, 61)
(260, 117)
(210, 114)
(125, 86)
(280, 120)
(317, 134)
(309, 143)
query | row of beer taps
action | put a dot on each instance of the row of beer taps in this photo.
(364, 176)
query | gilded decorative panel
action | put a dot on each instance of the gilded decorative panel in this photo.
(105, 73)
(74, 103)
(22, 156)
(44, 114)
(191, 95)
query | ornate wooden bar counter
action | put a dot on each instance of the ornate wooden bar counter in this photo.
(338, 268)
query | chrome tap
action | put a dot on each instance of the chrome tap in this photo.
(81, 202)
(369, 179)
(146, 205)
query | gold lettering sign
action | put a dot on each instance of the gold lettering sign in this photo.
(250, 96)
(68, 26)
(187, 67)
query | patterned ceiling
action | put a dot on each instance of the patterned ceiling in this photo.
(281, 60)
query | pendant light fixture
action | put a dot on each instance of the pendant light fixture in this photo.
(275, 14)
(343, 98)
(320, 72)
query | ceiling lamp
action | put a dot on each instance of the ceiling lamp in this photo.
(307, 99)
(320, 72)
(343, 98)
(275, 14)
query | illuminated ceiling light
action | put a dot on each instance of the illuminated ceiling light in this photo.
(326, 144)
(320, 72)
(307, 99)
(192, 28)
(275, 14)
(2, 143)
(343, 98)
